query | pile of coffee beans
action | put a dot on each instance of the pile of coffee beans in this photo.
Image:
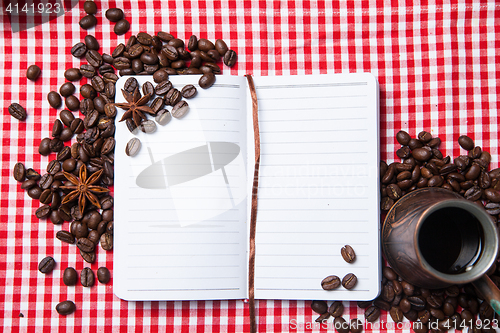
(423, 165)
(158, 55)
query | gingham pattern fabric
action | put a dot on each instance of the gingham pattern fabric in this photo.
(438, 66)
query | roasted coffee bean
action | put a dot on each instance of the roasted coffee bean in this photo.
(340, 324)
(108, 146)
(42, 212)
(78, 50)
(163, 87)
(356, 325)
(88, 256)
(230, 58)
(173, 97)
(94, 58)
(103, 275)
(417, 302)
(403, 138)
(45, 181)
(148, 88)
(330, 282)
(372, 313)
(396, 314)
(189, 91)
(131, 84)
(131, 126)
(157, 104)
(44, 147)
(66, 134)
(67, 89)
(137, 66)
(207, 80)
(87, 91)
(394, 191)
(319, 307)
(55, 218)
(72, 74)
(67, 307)
(33, 72)
(424, 136)
(54, 99)
(65, 236)
(114, 14)
(403, 152)
(19, 172)
(90, 7)
(435, 181)
(421, 154)
(178, 64)
(87, 277)
(492, 195)
(221, 47)
(163, 117)
(94, 236)
(473, 172)
(348, 254)
(118, 51)
(79, 229)
(192, 43)
(336, 309)
(205, 45)
(27, 184)
(70, 276)
(91, 43)
(180, 109)
(149, 58)
(466, 142)
(46, 265)
(121, 27)
(32, 174)
(150, 69)
(107, 241)
(349, 281)
(121, 63)
(66, 117)
(405, 305)
(35, 192)
(164, 36)
(88, 22)
(133, 147)
(388, 293)
(85, 244)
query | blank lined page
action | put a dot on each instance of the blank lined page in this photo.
(180, 204)
(318, 185)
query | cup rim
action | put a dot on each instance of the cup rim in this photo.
(486, 259)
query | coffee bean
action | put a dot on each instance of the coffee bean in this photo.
(330, 282)
(114, 14)
(336, 309)
(87, 277)
(396, 314)
(163, 117)
(85, 244)
(319, 307)
(17, 111)
(163, 87)
(466, 142)
(45, 181)
(103, 275)
(66, 308)
(164, 36)
(372, 313)
(88, 256)
(348, 254)
(207, 80)
(417, 302)
(221, 47)
(88, 22)
(173, 97)
(91, 42)
(33, 72)
(27, 184)
(67, 89)
(349, 281)
(180, 109)
(87, 91)
(131, 126)
(65, 236)
(189, 91)
(133, 147)
(107, 241)
(46, 265)
(70, 276)
(322, 318)
(89, 7)
(35, 192)
(55, 218)
(230, 58)
(94, 58)
(19, 172)
(88, 71)
(356, 325)
(130, 84)
(157, 104)
(79, 50)
(53, 167)
(72, 74)
(94, 236)
(121, 27)
(43, 211)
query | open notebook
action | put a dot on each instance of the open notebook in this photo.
(182, 204)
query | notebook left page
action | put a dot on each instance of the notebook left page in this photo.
(180, 203)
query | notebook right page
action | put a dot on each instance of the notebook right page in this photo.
(318, 186)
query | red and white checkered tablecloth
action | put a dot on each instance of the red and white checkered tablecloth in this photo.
(438, 65)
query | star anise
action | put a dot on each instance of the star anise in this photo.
(83, 188)
(135, 107)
